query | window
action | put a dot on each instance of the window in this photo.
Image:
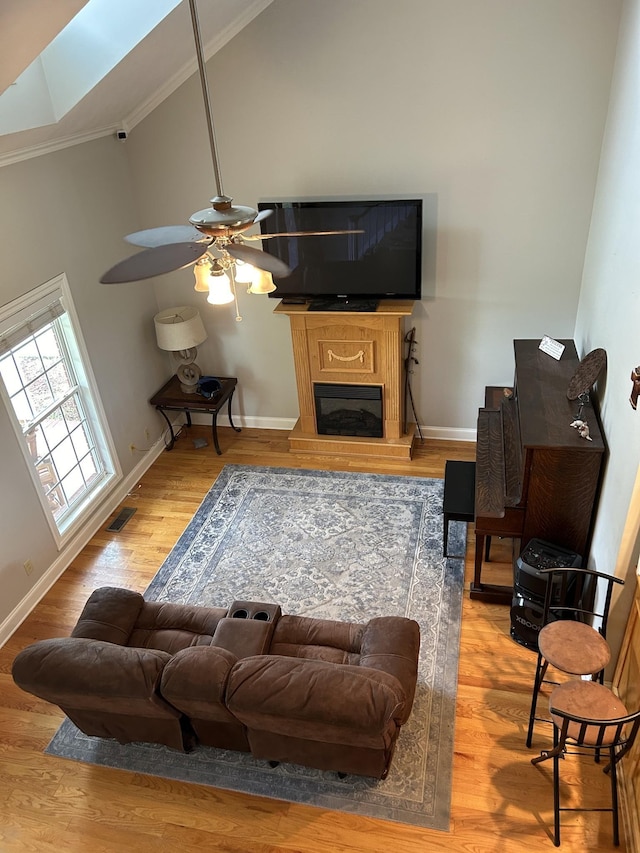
(54, 406)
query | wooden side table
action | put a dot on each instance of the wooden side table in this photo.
(171, 397)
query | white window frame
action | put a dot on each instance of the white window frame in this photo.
(16, 314)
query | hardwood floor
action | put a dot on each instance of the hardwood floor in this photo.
(500, 802)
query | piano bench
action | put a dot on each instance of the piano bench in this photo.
(459, 499)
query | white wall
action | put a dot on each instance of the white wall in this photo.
(493, 110)
(67, 212)
(609, 309)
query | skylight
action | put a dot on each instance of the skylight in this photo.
(83, 53)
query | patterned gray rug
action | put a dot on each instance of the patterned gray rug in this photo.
(331, 545)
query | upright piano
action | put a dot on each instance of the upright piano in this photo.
(536, 476)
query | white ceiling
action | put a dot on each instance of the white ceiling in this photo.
(144, 78)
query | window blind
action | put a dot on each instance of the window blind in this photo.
(14, 336)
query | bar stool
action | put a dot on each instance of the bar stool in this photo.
(588, 718)
(569, 641)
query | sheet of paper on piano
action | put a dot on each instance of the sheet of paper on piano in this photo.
(552, 347)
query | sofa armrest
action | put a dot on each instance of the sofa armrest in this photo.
(391, 644)
(195, 681)
(314, 699)
(92, 675)
(109, 614)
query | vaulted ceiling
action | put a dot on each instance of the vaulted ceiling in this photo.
(148, 74)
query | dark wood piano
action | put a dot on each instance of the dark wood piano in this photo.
(536, 477)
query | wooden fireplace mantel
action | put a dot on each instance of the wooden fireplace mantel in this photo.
(351, 347)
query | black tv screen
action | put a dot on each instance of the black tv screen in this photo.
(380, 259)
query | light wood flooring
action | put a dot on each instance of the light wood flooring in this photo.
(500, 802)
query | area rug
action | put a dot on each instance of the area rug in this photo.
(332, 545)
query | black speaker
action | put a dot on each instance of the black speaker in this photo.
(530, 588)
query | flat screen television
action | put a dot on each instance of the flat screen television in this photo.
(380, 259)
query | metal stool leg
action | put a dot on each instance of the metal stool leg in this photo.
(541, 669)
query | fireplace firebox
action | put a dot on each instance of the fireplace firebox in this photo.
(348, 409)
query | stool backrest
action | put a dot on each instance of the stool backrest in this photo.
(572, 593)
(588, 733)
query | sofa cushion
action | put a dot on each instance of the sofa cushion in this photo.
(75, 672)
(172, 627)
(392, 644)
(195, 681)
(317, 639)
(316, 700)
(109, 614)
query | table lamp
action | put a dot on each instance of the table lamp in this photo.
(180, 330)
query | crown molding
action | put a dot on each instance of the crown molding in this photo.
(54, 145)
(161, 94)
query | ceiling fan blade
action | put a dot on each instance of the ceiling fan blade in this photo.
(166, 234)
(262, 215)
(301, 234)
(259, 259)
(155, 261)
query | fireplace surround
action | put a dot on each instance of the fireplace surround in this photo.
(347, 350)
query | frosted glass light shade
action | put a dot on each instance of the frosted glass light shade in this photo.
(261, 282)
(202, 273)
(244, 272)
(219, 290)
(179, 328)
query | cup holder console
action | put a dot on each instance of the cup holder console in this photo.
(258, 610)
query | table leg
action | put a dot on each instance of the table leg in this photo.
(237, 429)
(478, 563)
(173, 437)
(214, 430)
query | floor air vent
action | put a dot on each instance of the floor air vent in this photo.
(121, 519)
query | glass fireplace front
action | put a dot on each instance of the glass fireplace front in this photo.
(348, 409)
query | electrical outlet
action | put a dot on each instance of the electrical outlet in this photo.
(28, 566)
(132, 448)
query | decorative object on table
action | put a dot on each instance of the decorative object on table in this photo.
(582, 427)
(180, 331)
(208, 386)
(580, 386)
(213, 242)
(330, 545)
(635, 388)
(587, 372)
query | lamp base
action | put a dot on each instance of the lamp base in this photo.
(189, 376)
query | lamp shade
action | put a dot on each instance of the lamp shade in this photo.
(179, 328)
(262, 282)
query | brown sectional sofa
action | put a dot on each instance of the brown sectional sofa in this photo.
(321, 693)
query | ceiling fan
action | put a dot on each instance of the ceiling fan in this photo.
(214, 241)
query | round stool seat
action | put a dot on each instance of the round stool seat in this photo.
(574, 647)
(592, 701)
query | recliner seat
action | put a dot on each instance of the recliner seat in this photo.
(321, 693)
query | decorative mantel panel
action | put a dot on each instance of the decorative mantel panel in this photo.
(354, 348)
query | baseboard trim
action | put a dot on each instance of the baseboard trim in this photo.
(436, 433)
